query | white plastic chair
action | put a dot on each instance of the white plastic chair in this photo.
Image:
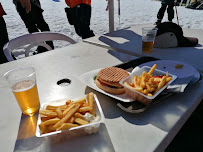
(31, 40)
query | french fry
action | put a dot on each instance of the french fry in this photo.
(167, 74)
(143, 74)
(67, 116)
(50, 121)
(43, 129)
(51, 128)
(71, 120)
(157, 80)
(151, 80)
(78, 115)
(80, 101)
(81, 121)
(152, 69)
(132, 84)
(53, 108)
(148, 87)
(48, 113)
(135, 80)
(44, 118)
(68, 102)
(139, 89)
(149, 95)
(145, 91)
(68, 109)
(168, 79)
(91, 103)
(85, 104)
(148, 76)
(143, 84)
(85, 109)
(87, 98)
(153, 89)
(148, 84)
(138, 81)
(65, 126)
(59, 112)
(161, 84)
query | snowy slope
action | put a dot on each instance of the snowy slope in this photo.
(132, 12)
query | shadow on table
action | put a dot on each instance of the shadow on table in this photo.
(75, 140)
(162, 115)
(123, 40)
(129, 46)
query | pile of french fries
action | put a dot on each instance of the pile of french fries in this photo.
(148, 84)
(55, 118)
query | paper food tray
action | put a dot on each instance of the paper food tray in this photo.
(137, 95)
(89, 128)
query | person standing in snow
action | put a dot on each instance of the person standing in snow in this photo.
(3, 35)
(169, 4)
(79, 15)
(30, 12)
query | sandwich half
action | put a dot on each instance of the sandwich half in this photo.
(108, 80)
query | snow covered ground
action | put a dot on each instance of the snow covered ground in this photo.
(132, 12)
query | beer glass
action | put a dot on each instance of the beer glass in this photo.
(148, 37)
(23, 84)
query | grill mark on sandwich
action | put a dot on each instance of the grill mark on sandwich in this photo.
(112, 74)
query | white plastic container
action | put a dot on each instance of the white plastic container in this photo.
(137, 95)
(88, 128)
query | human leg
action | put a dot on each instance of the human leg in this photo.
(81, 15)
(3, 40)
(34, 22)
(170, 12)
(27, 18)
(161, 12)
(40, 22)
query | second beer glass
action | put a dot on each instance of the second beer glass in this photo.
(148, 37)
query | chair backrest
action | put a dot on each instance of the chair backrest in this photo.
(31, 40)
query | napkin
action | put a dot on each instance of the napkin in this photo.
(179, 85)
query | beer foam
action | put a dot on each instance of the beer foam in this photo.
(23, 85)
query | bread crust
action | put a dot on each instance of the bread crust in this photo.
(116, 84)
(109, 89)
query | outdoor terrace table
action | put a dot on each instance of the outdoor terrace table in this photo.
(149, 131)
(129, 41)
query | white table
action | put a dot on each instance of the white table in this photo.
(129, 41)
(150, 131)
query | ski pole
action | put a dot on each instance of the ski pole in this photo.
(119, 11)
(176, 12)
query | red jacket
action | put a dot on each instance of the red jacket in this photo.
(73, 3)
(2, 12)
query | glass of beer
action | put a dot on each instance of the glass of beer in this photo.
(148, 37)
(23, 84)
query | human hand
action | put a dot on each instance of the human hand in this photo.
(26, 4)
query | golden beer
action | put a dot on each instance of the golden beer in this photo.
(147, 46)
(27, 96)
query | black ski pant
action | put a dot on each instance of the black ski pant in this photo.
(81, 15)
(34, 22)
(162, 10)
(3, 40)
